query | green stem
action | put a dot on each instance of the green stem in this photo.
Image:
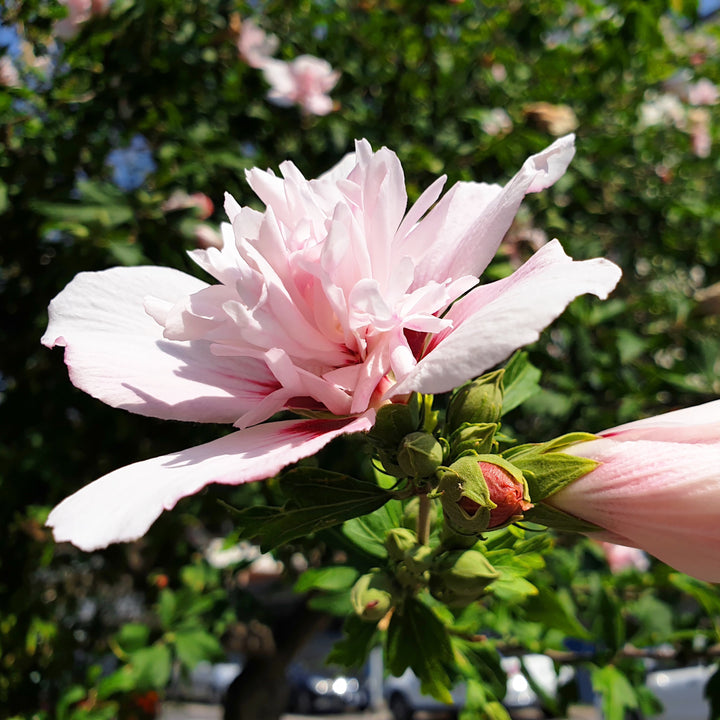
(423, 519)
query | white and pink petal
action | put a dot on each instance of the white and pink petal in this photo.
(122, 505)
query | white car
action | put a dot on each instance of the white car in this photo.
(404, 698)
(681, 692)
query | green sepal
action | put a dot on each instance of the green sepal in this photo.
(549, 516)
(546, 469)
(465, 479)
(549, 473)
(473, 437)
(393, 422)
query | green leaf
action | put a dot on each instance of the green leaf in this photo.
(521, 381)
(133, 636)
(166, 607)
(324, 499)
(417, 639)
(368, 532)
(616, 691)
(352, 651)
(553, 609)
(192, 646)
(328, 578)
(151, 666)
(121, 681)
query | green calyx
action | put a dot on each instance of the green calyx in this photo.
(461, 577)
(479, 401)
(465, 497)
(546, 468)
(477, 437)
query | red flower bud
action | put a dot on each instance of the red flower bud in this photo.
(505, 491)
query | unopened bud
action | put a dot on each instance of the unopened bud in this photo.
(508, 491)
(461, 577)
(479, 401)
(465, 497)
(476, 438)
(399, 542)
(372, 596)
(413, 571)
(419, 455)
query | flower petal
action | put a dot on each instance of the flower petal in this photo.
(116, 352)
(122, 505)
(700, 424)
(475, 217)
(493, 320)
(662, 496)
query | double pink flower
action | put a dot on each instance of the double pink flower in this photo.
(657, 488)
(331, 302)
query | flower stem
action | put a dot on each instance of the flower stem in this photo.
(423, 519)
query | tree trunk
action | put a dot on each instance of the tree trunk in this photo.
(261, 691)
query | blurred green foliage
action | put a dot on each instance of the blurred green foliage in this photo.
(421, 78)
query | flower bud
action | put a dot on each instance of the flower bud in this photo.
(479, 401)
(419, 455)
(461, 577)
(477, 438)
(508, 491)
(465, 497)
(413, 571)
(399, 542)
(393, 422)
(372, 596)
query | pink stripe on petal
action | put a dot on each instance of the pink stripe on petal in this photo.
(122, 505)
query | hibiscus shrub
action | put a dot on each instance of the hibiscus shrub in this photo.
(124, 123)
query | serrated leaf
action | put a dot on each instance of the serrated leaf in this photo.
(327, 578)
(354, 648)
(368, 532)
(521, 381)
(417, 639)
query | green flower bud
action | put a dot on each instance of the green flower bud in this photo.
(419, 455)
(479, 401)
(399, 542)
(465, 497)
(393, 422)
(413, 571)
(372, 596)
(461, 577)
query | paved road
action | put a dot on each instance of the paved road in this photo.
(200, 711)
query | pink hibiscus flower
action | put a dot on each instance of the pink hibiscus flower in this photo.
(305, 81)
(333, 301)
(656, 488)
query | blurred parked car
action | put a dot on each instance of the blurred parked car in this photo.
(207, 682)
(404, 698)
(325, 689)
(318, 687)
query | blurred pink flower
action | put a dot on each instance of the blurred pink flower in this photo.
(255, 46)
(699, 129)
(331, 302)
(703, 92)
(79, 11)
(9, 76)
(207, 236)
(621, 557)
(180, 200)
(657, 488)
(305, 81)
